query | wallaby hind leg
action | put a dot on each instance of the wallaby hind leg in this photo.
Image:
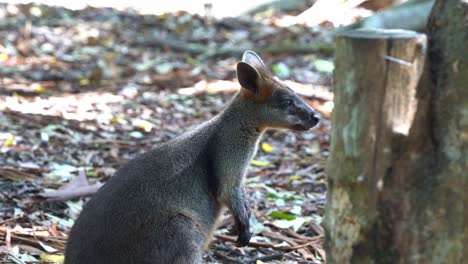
(180, 241)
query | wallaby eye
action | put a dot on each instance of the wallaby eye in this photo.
(287, 102)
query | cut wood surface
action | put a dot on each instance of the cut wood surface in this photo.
(410, 15)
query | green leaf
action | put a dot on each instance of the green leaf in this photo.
(281, 69)
(295, 177)
(287, 196)
(259, 163)
(272, 196)
(54, 258)
(91, 173)
(324, 66)
(198, 114)
(280, 215)
(193, 61)
(267, 147)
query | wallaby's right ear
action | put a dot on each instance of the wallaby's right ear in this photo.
(254, 60)
(248, 77)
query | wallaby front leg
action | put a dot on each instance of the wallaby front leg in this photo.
(241, 212)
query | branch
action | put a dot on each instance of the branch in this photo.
(212, 51)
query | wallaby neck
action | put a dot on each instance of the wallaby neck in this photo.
(238, 121)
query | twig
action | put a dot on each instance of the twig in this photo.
(269, 245)
(249, 260)
(11, 219)
(227, 258)
(306, 253)
(302, 237)
(15, 259)
(301, 260)
(266, 258)
(210, 51)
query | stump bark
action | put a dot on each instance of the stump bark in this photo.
(398, 168)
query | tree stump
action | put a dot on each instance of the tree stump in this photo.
(375, 101)
(398, 166)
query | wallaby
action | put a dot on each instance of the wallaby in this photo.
(163, 205)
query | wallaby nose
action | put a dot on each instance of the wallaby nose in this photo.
(315, 117)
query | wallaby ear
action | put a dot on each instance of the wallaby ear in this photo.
(253, 59)
(248, 77)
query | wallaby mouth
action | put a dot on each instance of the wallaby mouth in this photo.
(312, 120)
(302, 127)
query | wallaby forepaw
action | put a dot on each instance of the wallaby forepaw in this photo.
(243, 239)
(232, 231)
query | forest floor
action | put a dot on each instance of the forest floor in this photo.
(82, 92)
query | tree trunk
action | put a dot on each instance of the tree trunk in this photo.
(398, 168)
(410, 15)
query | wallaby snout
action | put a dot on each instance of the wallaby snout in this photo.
(311, 117)
(307, 117)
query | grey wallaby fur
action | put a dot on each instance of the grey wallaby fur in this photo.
(162, 206)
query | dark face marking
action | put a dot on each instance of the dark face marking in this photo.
(283, 108)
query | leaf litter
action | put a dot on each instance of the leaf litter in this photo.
(82, 92)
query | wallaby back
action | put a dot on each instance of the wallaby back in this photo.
(163, 206)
